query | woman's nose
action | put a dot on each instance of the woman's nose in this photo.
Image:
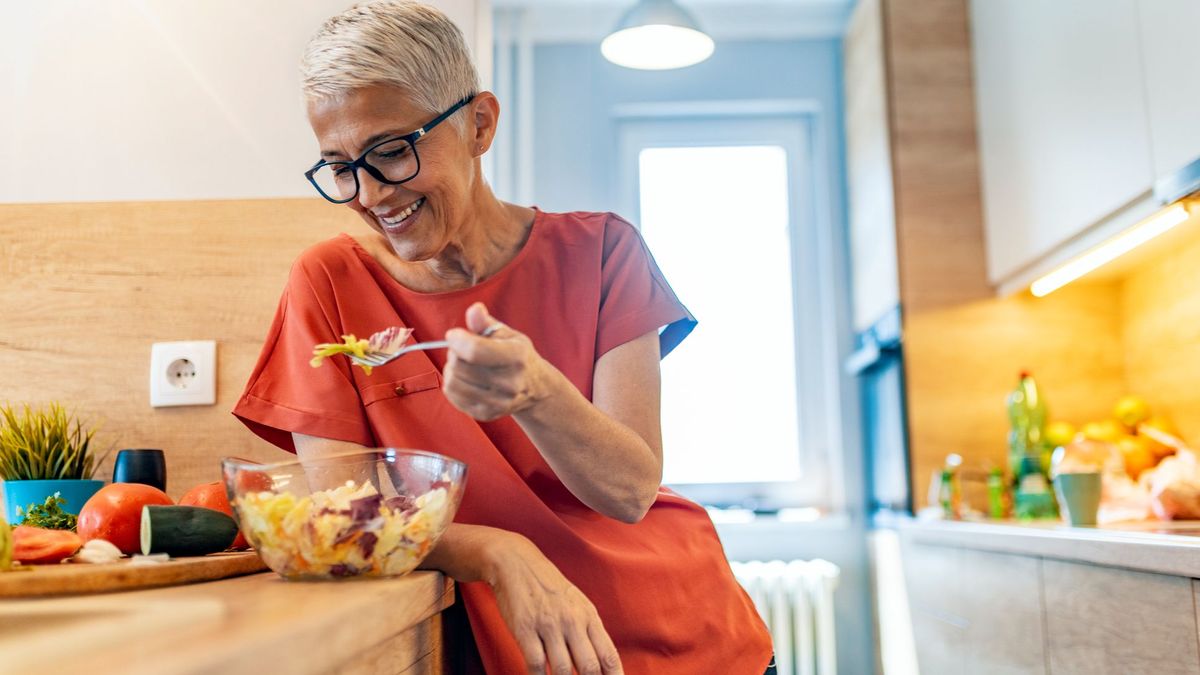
(371, 191)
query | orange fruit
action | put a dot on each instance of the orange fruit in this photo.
(1138, 455)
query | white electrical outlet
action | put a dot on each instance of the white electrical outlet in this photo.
(183, 373)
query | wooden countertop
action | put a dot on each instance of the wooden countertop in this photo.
(1145, 546)
(253, 624)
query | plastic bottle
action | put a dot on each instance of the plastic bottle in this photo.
(1028, 452)
(997, 492)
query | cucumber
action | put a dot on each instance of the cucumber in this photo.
(185, 530)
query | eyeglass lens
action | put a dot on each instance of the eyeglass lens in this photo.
(395, 160)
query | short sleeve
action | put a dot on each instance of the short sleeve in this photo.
(635, 298)
(285, 393)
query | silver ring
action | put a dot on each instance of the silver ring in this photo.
(487, 332)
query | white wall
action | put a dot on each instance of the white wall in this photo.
(111, 100)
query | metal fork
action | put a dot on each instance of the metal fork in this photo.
(375, 359)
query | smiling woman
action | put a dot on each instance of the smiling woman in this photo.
(568, 551)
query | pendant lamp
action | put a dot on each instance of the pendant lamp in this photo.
(657, 35)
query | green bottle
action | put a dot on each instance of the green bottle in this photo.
(1028, 451)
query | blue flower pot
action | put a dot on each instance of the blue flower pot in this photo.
(22, 493)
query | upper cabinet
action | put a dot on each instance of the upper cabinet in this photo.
(153, 100)
(1062, 111)
(1168, 34)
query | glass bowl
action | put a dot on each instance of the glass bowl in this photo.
(375, 513)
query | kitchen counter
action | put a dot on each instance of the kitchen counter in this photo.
(1043, 597)
(1161, 547)
(252, 624)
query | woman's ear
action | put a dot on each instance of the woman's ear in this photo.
(485, 111)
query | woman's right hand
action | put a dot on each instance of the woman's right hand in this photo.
(553, 622)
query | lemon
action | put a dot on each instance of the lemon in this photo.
(1059, 433)
(6, 546)
(1131, 411)
(1108, 431)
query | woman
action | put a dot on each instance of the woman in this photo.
(568, 552)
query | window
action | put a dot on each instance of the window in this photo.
(728, 256)
(750, 400)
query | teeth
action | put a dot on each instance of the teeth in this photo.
(404, 214)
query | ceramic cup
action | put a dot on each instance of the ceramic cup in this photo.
(1078, 496)
(141, 465)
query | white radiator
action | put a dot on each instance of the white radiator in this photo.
(795, 600)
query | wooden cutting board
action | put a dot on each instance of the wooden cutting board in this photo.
(123, 575)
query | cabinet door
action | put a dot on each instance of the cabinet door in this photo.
(1168, 32)
(933, 577)
(1002, 606)
(1102, 620)
(1062, 121)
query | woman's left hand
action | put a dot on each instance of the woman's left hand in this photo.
(490, 377)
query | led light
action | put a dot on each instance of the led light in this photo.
(657, 35)
(1110, 250)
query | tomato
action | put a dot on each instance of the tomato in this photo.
(115, 513)
(213, 496)
(40, 546)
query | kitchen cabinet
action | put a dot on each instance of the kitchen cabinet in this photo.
(933, 575)
(1062, 122)
(1101, 620)
(157, 100)
(1001, 604)
(1039, 597)
(974, 611)
(1167, 29)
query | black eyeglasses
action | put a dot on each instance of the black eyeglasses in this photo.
(393, 161)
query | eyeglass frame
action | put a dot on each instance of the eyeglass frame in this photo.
(410, 138)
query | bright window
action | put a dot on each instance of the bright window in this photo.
(717, 219)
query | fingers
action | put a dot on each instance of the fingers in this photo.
(557, 656)
(534, 653)
(490, 351)
(478, 318)
(606, 651)
(583, 652)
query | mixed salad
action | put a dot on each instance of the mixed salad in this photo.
(351, 530)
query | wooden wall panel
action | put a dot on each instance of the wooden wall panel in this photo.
(86, 288)
(1160, 303)
(962, 361)
(964, 346)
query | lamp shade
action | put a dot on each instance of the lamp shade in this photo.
(657, 35)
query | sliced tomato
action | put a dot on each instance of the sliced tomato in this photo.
(38, 546)
(213, 496)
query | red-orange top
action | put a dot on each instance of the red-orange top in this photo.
(582, 284)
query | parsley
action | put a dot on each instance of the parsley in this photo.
(49, 515)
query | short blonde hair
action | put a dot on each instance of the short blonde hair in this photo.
(398, 42)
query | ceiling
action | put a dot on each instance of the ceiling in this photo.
(590, 20)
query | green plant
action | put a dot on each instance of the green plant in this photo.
(44, 444)
(49, 515)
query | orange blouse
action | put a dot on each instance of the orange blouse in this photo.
(582, 284)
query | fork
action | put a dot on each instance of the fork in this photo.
(375, 358)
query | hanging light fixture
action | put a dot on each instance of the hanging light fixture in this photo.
(657, 35)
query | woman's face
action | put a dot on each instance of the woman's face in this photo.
(439, 196)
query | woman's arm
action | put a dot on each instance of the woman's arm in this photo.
(552, 621)
(608, 451)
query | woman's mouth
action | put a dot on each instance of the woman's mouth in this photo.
(398, 221)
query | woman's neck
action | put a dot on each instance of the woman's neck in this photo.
(493, 236)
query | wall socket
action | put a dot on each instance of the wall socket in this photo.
(183, 373)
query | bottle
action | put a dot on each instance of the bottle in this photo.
(997, 492)
(1028, 451)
